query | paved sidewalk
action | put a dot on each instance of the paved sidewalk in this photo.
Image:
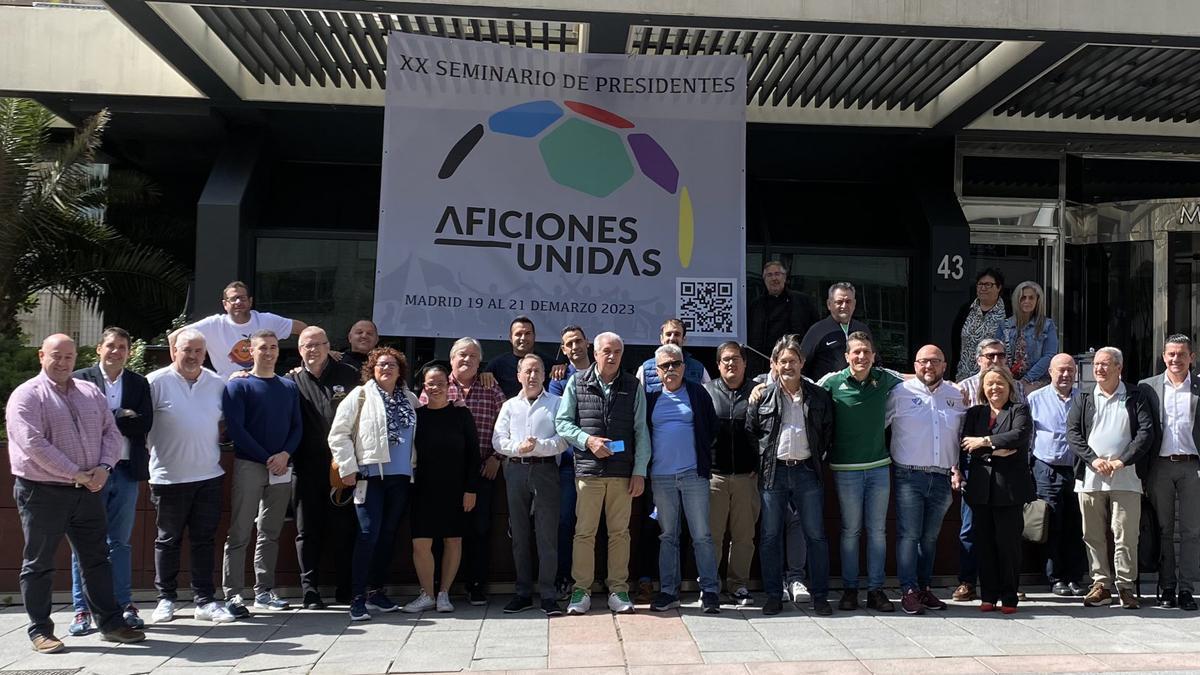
(1048, 635)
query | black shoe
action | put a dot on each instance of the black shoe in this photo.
(237, 607)
(551, 607)
(312, 600)
(710, 603)
(1166, 598)
(517, 604)
(849, 601)
(476, 597)
(663, 602)
(1186, 602)
(1077, 590)
(822, 608)
(773, 606)
(878, 601)
(1061, 589)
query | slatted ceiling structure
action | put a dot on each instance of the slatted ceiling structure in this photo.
(310, 47)
(1115, 83)
(817, 69)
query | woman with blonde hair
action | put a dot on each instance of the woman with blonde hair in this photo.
(996, 437)
(1030, 337)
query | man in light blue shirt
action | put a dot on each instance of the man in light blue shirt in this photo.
(683, 425)
(1054, 474)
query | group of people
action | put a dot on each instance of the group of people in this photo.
(347, 443)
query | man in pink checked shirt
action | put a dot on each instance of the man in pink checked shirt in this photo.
(62, 445)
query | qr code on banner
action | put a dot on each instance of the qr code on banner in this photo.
(707, 306)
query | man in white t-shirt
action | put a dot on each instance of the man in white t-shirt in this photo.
(185, 475)
(228, 335)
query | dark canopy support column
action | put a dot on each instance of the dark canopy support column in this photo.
(223, 214)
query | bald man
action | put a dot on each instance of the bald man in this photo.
(925, 414)
(1054, 474)
(323, 384)
(62, 445)
(362, 338)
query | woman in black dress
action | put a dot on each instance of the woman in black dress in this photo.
(447, 468)
(997, 435)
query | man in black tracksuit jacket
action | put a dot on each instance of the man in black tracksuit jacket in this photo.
(323, 384)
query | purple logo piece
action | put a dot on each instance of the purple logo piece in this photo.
(654, 162)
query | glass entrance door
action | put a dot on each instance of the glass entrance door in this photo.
(1022, 241)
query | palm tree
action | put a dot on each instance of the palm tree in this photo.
(53, 230)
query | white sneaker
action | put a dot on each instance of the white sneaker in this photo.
(581, 603)
(164, 612)
(799, 592)
(421, 604)
(215, 612)
(620, 605)
(443, 602)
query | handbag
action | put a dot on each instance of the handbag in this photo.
(1037, 521)
(338, 489)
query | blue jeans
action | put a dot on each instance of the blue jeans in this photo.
(566, 517)
(863, 499)
(968, 564)
(798, 489)
(689, 491)
(378, 517)
(120, 504)
(922, 499)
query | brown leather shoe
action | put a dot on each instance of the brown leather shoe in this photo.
(47, 644)
(1097, 596)
(645, 592)
(124, 634)
(964, 593)
(1129, 599)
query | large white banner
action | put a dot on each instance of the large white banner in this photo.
(601, 190)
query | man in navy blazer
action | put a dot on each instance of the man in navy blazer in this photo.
(129, 400)
(1174, 475)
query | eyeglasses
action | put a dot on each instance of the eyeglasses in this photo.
(386, 365)
(670, 365)
(236, 299)
(929, 362)
(312, 345)
(986, 284)
(994, 356)
(730, 360)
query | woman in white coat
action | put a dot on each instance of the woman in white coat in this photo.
(372, 443)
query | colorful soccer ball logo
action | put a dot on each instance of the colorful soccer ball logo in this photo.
(584, 148)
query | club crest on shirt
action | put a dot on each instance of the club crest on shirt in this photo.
(339, 392)
(916, 401)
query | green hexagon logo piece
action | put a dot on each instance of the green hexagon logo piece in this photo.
(585, 157)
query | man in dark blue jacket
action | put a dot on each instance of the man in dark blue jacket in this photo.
(682, 426)
(128, 397)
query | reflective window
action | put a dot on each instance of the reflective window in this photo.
(881, 284)
(324, 282)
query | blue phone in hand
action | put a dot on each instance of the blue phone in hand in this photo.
(616, 446)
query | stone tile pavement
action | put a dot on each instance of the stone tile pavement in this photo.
(1048, 635)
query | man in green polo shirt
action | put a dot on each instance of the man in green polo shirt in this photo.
(860, 460)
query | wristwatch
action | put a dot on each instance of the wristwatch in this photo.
(105, 467)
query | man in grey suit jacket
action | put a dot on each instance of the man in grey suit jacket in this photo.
(1175, 472)
(128, 397)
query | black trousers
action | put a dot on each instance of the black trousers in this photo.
(196, 507)
(48, 512)
(319, 526)
(998, 548)
(1066, 559)
(477, 553)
